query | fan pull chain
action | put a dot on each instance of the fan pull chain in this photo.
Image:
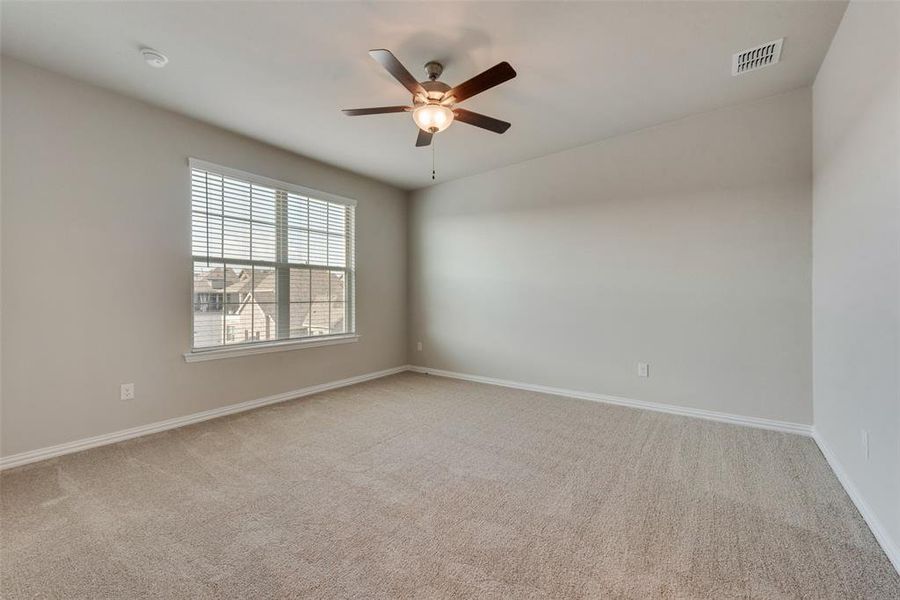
(433, 144)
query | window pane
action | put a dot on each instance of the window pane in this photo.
(337, 251)
(207, 306)
(298, 212)
(298, 246)
(237, 287)
(318, 318)
(300, 286)
(236, 198)
(319, 287)
(300, 319)
(253, 322)
(260, 312)
(206, 234)
(264, 243)
(338, 290)
(209, 284)
(264, 285)
(318, 248)
(236, 239)
(207, 326)
(206, 192)
(318, 215)
(337, 219)
(263, 204)
(337, 318)
(265, 321)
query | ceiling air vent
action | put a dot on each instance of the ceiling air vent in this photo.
(756, 58)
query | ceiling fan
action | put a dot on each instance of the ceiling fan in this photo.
(434, 102)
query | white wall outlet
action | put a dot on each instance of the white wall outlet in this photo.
(643, 369)
(419, 346)
(865, 443)
(126, 391)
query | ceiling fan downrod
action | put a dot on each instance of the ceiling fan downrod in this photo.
(433, 69)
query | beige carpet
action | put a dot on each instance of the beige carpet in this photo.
(415, 486)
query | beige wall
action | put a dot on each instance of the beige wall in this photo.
(96, 265)
(856, 258)
(686, 246)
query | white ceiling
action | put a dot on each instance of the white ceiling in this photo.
(280, 71)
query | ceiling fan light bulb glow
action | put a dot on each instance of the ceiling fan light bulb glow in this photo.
(433, 117)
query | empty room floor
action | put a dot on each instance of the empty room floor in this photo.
(415, 486)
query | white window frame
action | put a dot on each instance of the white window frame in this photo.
(251, 348)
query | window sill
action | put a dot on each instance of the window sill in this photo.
(266, 348)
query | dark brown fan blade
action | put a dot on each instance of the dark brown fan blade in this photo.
(396, 68)
(356, 112)
(478, 120)
(483, 81)
(424, 138)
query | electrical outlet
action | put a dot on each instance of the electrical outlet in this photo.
(419, 346)
(126, 391)
(865, 443)
(643, 369)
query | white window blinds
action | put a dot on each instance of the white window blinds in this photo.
(272, 261)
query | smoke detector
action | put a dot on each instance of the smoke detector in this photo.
(758, 57)
(155, 59)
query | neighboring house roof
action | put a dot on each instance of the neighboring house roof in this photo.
(265, 298)
(213, 280)
(244, 282)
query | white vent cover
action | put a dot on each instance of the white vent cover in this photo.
(755, 58)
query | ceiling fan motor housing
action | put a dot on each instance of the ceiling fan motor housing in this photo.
(435, 90)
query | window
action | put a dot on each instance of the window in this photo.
(272, 261)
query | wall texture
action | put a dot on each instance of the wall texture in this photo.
(96, 265)
(686, 246)
(856, 250)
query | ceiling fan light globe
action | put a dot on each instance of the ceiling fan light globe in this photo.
(432, 117)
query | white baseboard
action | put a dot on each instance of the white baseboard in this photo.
(31, 456)
(891, 549)
(783, 426)
(24, 458)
